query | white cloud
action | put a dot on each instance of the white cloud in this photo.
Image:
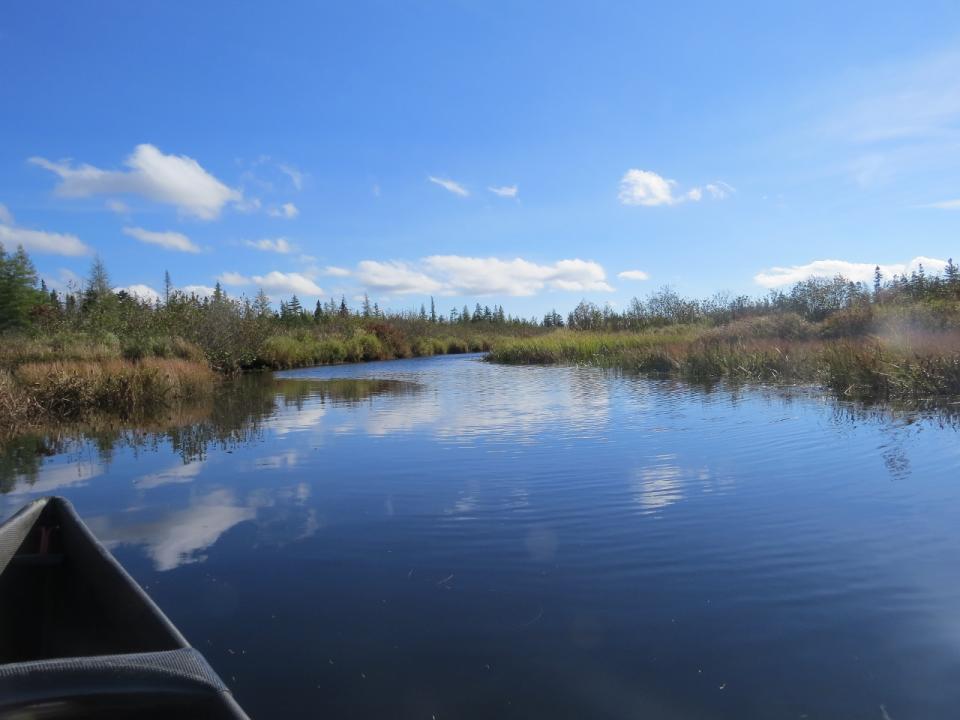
(395, 277)
(858, 272)
(275, 282)
(140, 292)
(169, 240)
(198, 290)
(201, 291)
(175, 180)
(296, 177)
(38, 241)
(505, 191)
(451, 185)
(945, 205)
(642, 187)
(287, 210)
(488, 276)
(633, 275)
(278, 245)
(117, 206)
(335, 271)
(459, 275)
(720, 190)
(646, 188)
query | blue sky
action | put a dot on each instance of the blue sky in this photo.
(518, 153)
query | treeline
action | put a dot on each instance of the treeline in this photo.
(93, 321)
(814, 300)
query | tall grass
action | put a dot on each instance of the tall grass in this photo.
(66, 390)
(900, 366)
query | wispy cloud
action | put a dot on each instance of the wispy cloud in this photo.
(857, 272)
(276, 245)
(504, 191)
(296, 177)
(175, 180)
(335, 271)
(633, 275)
(38, 241)
(945, 205)
(275, 282)
(287, 210)
(648, 189)
(169, 240)
(450, 185)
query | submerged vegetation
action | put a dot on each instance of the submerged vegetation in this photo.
(91, 349)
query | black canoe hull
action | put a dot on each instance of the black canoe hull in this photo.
(80, 639)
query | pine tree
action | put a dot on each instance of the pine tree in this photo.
(423, 311)
(261, 304)
(344, 310)
(167, 287)
(98, 284)
(433, 310)
(951, 273)
(877, 282)
(366, 306)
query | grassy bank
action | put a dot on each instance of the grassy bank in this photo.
(900, 365)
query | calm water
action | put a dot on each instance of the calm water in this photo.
(444, 538)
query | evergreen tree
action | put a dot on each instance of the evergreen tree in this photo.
(344, 310)
(366, 306)
(951, 274)
(18, 289)
(261, 304)
(433, 310)
(167, 287)
(877, 282)
(98, 284)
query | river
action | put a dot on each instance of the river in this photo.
(445, 538)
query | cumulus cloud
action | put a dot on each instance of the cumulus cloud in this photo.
(633, 275)
(451, 185)
(505, 191)
(488, 276)
(647, 188)
(201, 291)
(277, 245)
(287, 210)
(858, 272)
(396, 277)
(175, 180)
(169, 240)
(459, 275)
(38, 241)
(275, 282)
(140, 292)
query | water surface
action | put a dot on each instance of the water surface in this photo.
(444, 538)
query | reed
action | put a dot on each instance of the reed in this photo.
(67, 390)
(896, 366)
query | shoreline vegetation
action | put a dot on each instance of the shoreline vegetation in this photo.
(89, 349)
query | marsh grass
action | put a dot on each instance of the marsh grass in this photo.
(38, 392)
(904, 365)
